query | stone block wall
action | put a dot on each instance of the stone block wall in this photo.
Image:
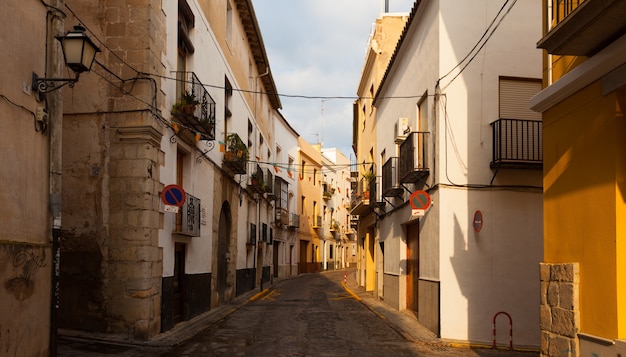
(559, 309)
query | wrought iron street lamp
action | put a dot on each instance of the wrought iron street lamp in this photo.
(79, 53)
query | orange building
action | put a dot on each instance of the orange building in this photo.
(583, 276)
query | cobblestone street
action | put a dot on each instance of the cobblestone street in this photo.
(310, 315)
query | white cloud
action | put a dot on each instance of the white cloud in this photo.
(317, 48)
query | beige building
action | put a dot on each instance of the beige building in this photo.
(152, 122)
(458, 207)
(339, 239)
(29, 147)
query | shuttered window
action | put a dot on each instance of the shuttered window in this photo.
(515, 96)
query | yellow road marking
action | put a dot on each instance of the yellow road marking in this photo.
(271, 295)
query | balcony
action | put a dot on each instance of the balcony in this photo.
(327, 191)
(360, 200)
(195, 110)
(188, 217)
(257, 181)
(317, 222)
(270, 185)
(517, 144)
(334, 226)
(282, 217)
(414, 158)
(236, 154)
(294, 221)
(583, 27)
(390, 183)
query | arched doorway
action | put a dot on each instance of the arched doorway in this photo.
(223, 253)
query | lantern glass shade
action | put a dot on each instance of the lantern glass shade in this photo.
(78, 50)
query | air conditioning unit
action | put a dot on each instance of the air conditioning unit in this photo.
(401, 129)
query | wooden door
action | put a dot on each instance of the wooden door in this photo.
(412, 266)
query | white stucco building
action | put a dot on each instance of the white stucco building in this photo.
(452, 119)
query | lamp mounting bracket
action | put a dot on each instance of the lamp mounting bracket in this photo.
(47, 85)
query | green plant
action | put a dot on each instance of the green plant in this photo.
(186, 103)
(189, 98)
(236, 146)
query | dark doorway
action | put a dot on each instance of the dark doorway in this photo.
(275, 258)
(178, 283)
(223, 254)
(412, 267)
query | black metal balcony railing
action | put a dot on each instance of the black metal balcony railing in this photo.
(390, 182)
(294, 221)
(317, 221)
(414, 157)
(517, 144)
(562, 8)
(282, 216)
(583, 27)
(257, 180)
(236, 154)
(202, 117)
(188, 217)
(269, 184)
(362, 194)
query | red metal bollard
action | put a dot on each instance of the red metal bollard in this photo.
(510, 328)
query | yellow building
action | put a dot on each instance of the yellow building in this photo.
(383, 41)
(309, 201)
(583, 276)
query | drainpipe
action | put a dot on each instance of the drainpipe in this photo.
(54, 65)
(256, 89)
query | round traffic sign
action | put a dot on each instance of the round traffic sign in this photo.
(173, 195)
(478, 221)
(419, 199)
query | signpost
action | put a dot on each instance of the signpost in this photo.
(173, 196)
(419, 201)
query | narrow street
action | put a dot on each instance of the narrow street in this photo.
(308, 315)
(313, 315)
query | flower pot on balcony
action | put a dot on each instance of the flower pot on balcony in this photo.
(189, 109)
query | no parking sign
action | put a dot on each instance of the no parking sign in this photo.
(173, 196)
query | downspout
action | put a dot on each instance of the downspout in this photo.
(55, 115)
(256, 88)
(258, 201)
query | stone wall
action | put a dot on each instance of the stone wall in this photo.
(560, 314)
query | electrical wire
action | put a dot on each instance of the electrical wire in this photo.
(481, 46)
(44, 124)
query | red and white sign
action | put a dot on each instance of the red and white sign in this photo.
(478, 221)
(173, 195)
(419, 200)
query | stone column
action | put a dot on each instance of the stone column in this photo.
(135, 262)
(559, 308)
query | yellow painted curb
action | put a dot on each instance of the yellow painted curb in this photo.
(259, 294)
(357, 297)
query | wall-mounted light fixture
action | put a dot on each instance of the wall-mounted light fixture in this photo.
(79, 53)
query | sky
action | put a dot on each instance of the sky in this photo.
(316, 48)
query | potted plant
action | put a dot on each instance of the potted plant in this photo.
(367, 177)
(189, 102)
(235, 148)
(186, 104)
(254, 180)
